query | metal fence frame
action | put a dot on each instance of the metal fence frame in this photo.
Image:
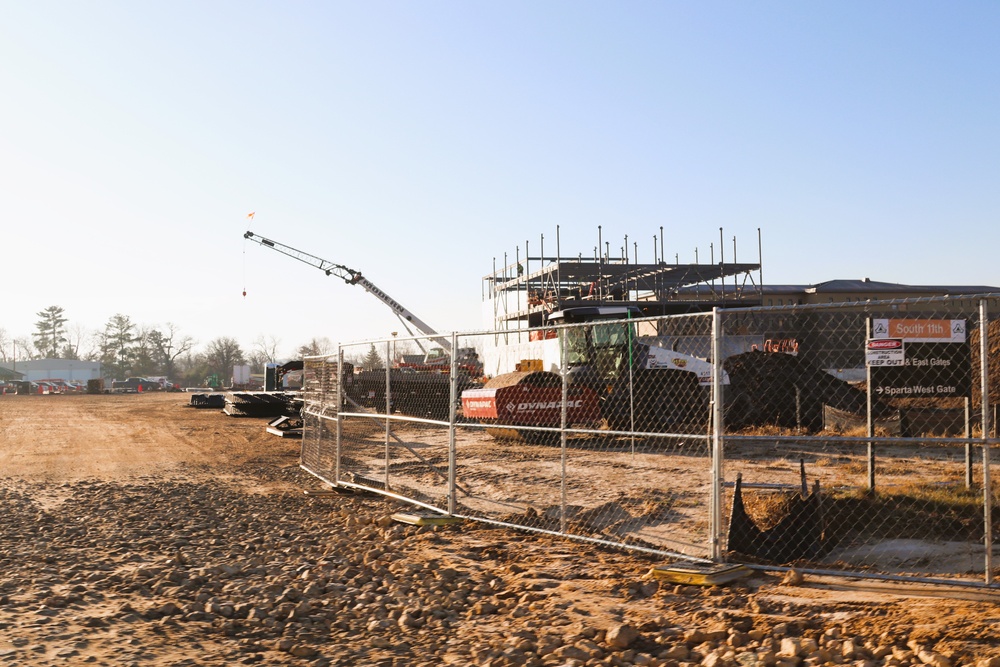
(325, 446)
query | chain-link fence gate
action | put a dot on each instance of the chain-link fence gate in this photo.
(845, 438)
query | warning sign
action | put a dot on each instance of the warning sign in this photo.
(883, 352)
(936, 363)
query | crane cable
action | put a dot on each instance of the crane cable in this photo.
(250, 217)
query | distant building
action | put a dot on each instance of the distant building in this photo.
(71, 370)
(831, 291)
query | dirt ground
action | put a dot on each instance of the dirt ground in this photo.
(139, 530)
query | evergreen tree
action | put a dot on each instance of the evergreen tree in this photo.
(50, 331)
(117, 345)
(373, 359)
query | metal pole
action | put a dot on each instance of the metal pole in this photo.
(631, 385)
(711, 259)
(600, 265)
(798, 410)
(760, 267)
(985, 392)
(871, 420)
(542, 276)
(388, 411)
(527, 280)
(968, 444)
(451, 423)
(340, 419)
(736, 284)
(558, 269)
(717, 440)
(517, 271)
(663, 256)
(563, 420)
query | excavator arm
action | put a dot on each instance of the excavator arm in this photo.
(352, 277)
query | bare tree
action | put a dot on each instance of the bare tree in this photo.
(317, 347)
(76, 334)
(264, 352)
(23, 348)
(167, 345)
(222, 354)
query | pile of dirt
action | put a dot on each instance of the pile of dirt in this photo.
(992, 362)
(783, 390)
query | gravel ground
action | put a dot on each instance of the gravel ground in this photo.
(231, 562)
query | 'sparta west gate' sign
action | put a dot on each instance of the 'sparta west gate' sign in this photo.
(919, 358)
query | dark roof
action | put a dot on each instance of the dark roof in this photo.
(8, 374)
(842, 286)
(867, 285)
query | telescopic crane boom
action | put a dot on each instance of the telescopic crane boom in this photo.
(352, 277)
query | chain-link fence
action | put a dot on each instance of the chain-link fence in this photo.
(850, 437)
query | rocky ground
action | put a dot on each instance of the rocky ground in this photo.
(220, 557)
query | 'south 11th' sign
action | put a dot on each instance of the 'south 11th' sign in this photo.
(937, 361)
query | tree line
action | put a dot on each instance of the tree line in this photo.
(129, 349)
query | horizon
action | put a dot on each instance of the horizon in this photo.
(421, 144)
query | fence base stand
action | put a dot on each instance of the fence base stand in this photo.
(425, 519)
(337, 491)
(700, 574)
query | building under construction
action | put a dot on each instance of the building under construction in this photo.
(520, 294)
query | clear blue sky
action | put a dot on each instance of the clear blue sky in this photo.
(418, 141)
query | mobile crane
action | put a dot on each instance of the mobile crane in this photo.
(419, 394)
(352, 277)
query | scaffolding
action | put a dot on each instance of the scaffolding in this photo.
(523, 296)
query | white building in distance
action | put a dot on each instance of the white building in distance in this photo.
(70, 370)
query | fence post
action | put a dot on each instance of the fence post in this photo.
(871, 417)
(340, 405)
(388, 411)
(984, 376)
(453, 390)
(717, 442)
(968, 443)
(563, 419)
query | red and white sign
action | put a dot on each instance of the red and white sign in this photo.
(884, 352)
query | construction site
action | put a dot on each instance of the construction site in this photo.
(638, 464)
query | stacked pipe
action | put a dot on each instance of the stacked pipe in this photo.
(255, 404)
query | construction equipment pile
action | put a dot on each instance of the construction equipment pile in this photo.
(256, 403)
(787, 391)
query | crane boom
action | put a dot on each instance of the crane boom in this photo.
(352, 277)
